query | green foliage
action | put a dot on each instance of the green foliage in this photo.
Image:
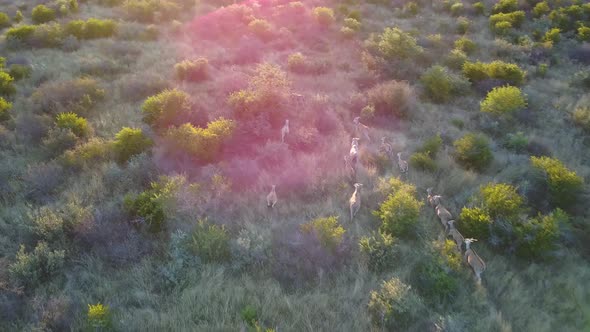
(479, 8)
(18, 72)
(456, 59)
(450, 256)
(581, 117)
(515, 19)
(161, 109)
(433, 282)
(130, 142)
(145, 10)
(400, 211)
(4, 20)
(465, 44)
(196, 70)
(541, 9)
(431, 146)
(501, 200)
(249, 315)
(328, 231)
(379, 248)
(92, 28)
(539, 235)
(564, 184)
(77, 124)
(30, 269)
(18, 16)
(517, 142)
(509, 72)
(21, 32)
(422, 161)
(210, 242)
(202, 143)
(457, 9)
(352, 23)
(505, 6)
(148, 208)
(553, 35)
(392, 98)
(463, 24)
(505, 100)
(396, 44)
(324, 16)
(473, 151)
(77, 95)
(440, 84)
(583, 33)
(99, 316)
(88, 154)
(395, 307)
(475, 222)
(5, 107)
(42, 14)
(6, 86)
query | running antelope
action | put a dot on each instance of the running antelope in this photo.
(403, 165)
(386, 148)
(271, 198)
(476, 263)
(454, 232)
(284, 131)
(361, 128)
(433, 200)
(354, 151)
(355, 200)
(444, 215)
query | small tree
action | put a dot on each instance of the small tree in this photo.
(397, 44)
(148, 208)
(399, 213)
(210, 242)
(161, 109)
(564, 184)
(42, 14)
(328, 231)
(6, 86)
(475, 222)
(130, 142)
(501, 200)
(18, 16)
(4, 20)
(196, 70)
(539, 235)
(324, 16)
(5, 107)
(438, 83)
(379, 249)
(473, 151)
(77, 124)
(395, 306)
(202, 143)
(30, 269)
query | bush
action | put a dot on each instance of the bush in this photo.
(91, 153)
(5, 108)
(581, 117)
(78, 125)
(553, 36)
(18, 16)
(508, 72)
(502, 101)
(465, 44)
(297, 63)
(328, 231)
(21, 33)
(564, 184)
(392, 98)
(505, 6)
(130, 142)
(475, 222)
(515, 19)
(433, 282)
(473, 151)
(261, 28)
(399, 212)
(352, 24)
(4, 20)
(395, 307)
(324, 16)
(463, 24)
(92, 28)
(379, 249)
(32, 268)
(394, 43)
(99, 317)
(541, 9)
(77, 95)
(210, 242)
(440, 84)
(148, 209)
(196, 70)
(457, 9)
(202, 143)
(584, 33)
(18, 72)
(423, 162)
(479, 8)
(42, 14)
(539, 235)
(517, 142)
(456, 59)
(501, 200)
(161, 110)
(6, 86)
(431, 146)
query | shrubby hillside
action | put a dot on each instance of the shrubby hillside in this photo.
(275, 165)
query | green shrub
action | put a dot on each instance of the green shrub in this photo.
(99, 317)
(18, 16)
(505, 6)
(47, 35)
(22, 32)
(196, 70)
(463, 24)
(379, 249)
(399, 212)
(396, 44)
(5, 108)
(4, 20)
(581, 117)
(42, 14)
(324, 15)
(517, 142)
(249, 315)
(501, 200)
(515, 18)
(475, 222)
(30, 269)
(423, 162)
(91, 153)
(395, 307)
(541, 9)
(161, 109)
(76, 95)
(148, 208)
(508, 72)
(352, 23)
(553, 36)
(261, 28)
(393, 185)
(456, 59)
(431, 146)
(78, 125)
(130, 142)
(18, 72)
(466, 45)
(202, 143)
(439, 83)
(328, 231)
(479, 8)
(542, 69)
(473, 151)
(564, 184)
(6, 86)
(210, 242)
(502, 101)
(96, 28)
(392, 98)
(457, 9)
(584, 33)
(433, 282)
(539, 235)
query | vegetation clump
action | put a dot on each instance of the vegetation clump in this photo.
(99, 316)
(210, 242)
(32, 268)
(473, 151)
(396, 44)
(42, 14)
(507, 72)
(162, 109)
(395, 306)
(502, 101)
(399, 212)
(202, 143)
(379, 249)
(564, 184)
(130, 142)
(196, 70)
(324, 15)
(78, 125)
(5, 107)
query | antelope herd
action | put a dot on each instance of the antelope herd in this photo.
(435, 201)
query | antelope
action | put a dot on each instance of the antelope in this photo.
(361, 128)
(354, 151)
(355, 200)
(386, 147)
(454, 232)
(271, 198)
(284, 131)
(444, 215)
(433, 200)
(349, 168)
(476, 263)
(403, 165)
